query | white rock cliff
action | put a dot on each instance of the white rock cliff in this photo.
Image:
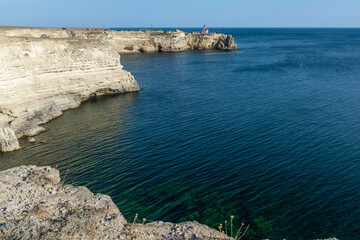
(40, 78)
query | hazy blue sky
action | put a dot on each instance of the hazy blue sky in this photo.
(185, 13)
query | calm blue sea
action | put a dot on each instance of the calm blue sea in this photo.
(269, 133)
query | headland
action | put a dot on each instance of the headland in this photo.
(45, 71)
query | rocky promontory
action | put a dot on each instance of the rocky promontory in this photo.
(45, 71)
(132, 41)
(36, 204)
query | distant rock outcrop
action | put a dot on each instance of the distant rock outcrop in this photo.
(138, 41)
(35, 204)
(210, 41)
(133, 41)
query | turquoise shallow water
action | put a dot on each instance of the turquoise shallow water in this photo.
(268, 133)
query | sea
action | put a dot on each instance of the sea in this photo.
(268, 133)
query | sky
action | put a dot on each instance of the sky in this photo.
(184, 13)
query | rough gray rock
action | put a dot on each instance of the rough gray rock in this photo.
(180, 231)
(36, 205)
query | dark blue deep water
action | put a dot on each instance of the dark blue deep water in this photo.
(269, 133)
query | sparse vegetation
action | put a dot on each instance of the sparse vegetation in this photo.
(221, 228)
(62, 182)
(241, 232)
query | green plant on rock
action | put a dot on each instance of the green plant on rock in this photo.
(240, 233)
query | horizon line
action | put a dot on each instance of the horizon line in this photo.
(142, 27)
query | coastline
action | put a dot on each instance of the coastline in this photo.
(128, 222)
(46, 71)
(49, 70)
(131, 41)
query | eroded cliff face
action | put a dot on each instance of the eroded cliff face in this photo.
(210, 41)
(137, 41)
(37, 205)
(140, 41)
(42, 77)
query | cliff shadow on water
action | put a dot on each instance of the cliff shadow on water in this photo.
(80, 132)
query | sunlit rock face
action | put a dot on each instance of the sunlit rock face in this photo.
(42, 77)
(137, 41)
(36, 205)
(8, 140)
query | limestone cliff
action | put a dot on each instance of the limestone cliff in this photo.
(42, 77)
(35, 204)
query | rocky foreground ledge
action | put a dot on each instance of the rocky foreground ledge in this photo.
(35, 204)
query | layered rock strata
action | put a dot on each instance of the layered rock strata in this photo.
(40, 78)
(35, 204)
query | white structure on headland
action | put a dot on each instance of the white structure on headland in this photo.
(205, 30)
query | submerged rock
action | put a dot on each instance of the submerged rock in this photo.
(35, 204)
(8, 140)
